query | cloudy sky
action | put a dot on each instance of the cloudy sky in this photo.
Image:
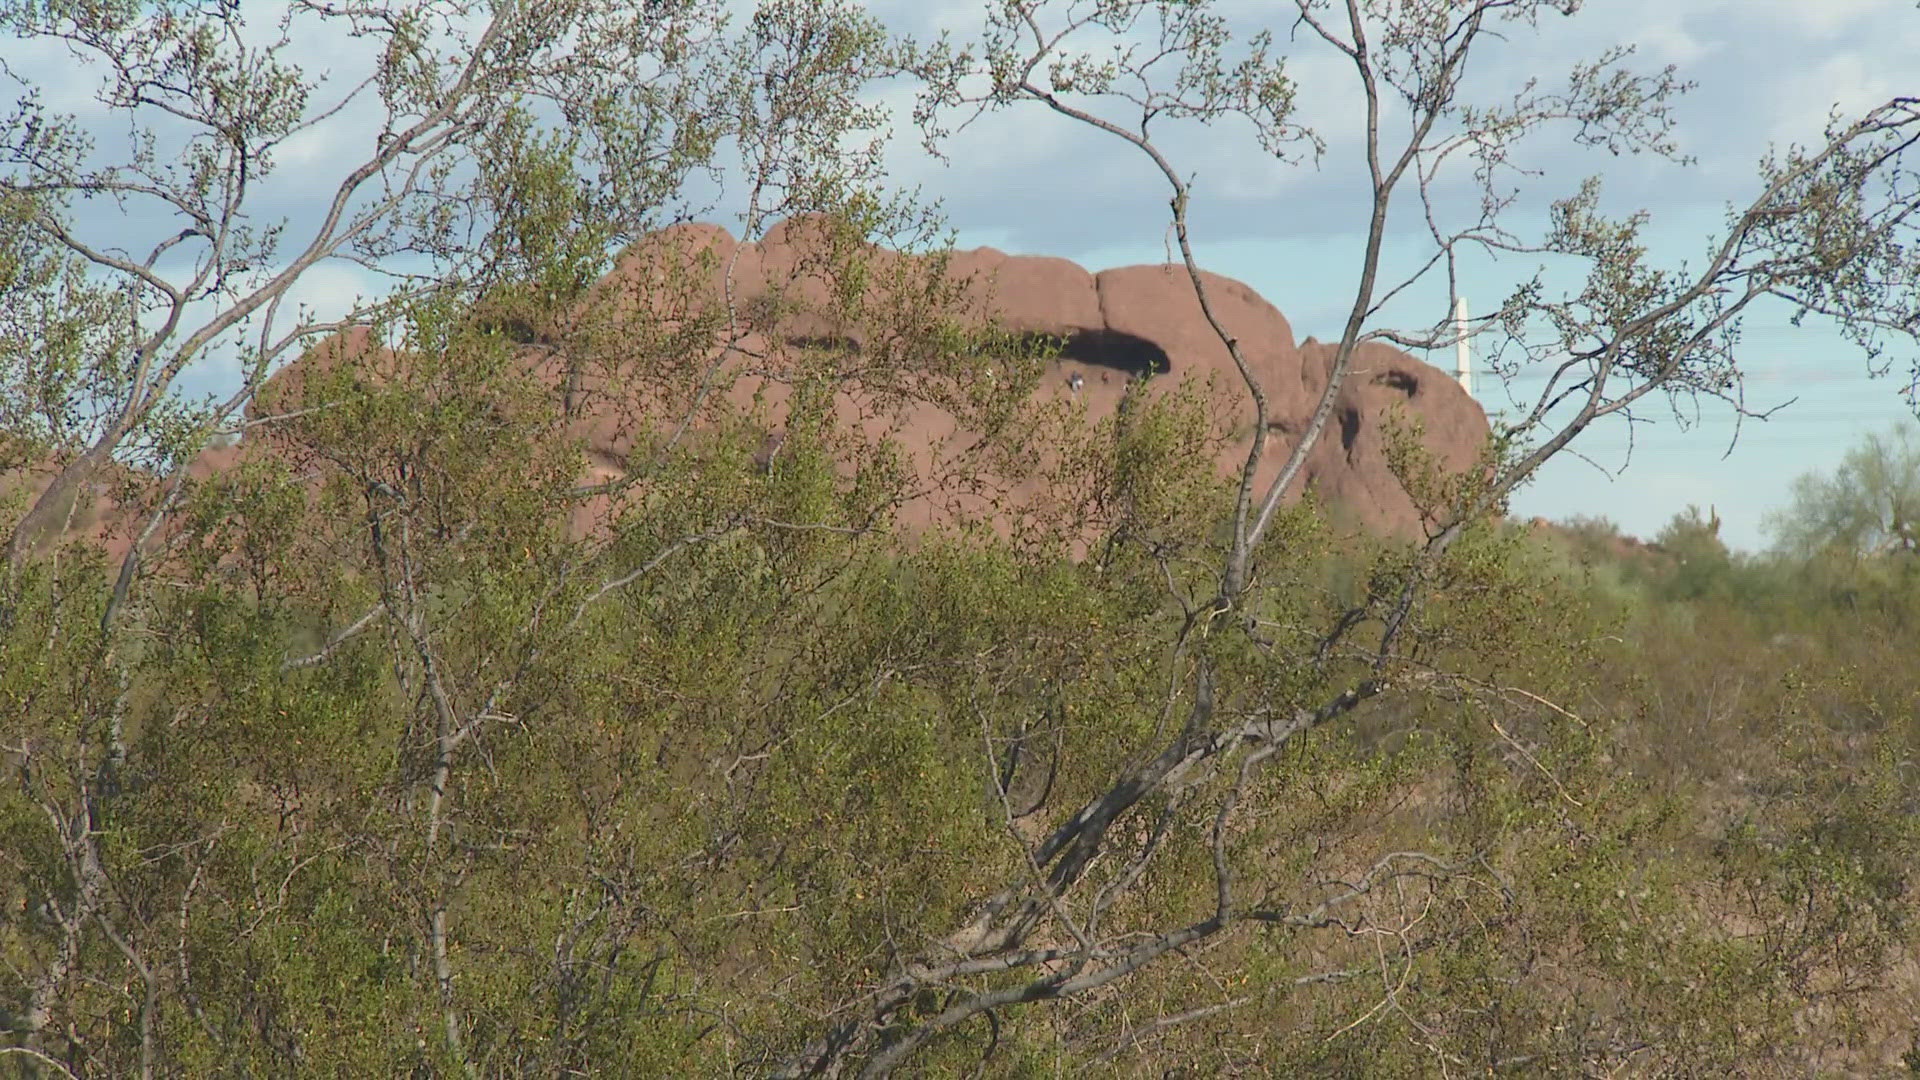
(1768, 71)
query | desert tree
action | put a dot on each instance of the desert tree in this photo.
(380, 763)
(501, 154)
(1828, 230)
(195, 112)
(1868, 505)
(213, 103)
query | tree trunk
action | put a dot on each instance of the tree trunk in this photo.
(53, 512)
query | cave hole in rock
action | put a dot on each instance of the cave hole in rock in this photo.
(1403, 381)
(831, 343)
(1349, 428)
(1128, 354)
(515, 328)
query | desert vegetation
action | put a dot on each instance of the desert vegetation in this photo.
(409, 737)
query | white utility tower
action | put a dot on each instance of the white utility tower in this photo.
(1463, 353)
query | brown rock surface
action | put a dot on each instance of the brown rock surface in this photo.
(1136, 320)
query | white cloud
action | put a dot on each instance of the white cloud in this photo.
(1804, 99)
(329, 290)
(1025, 180)
(1829, 18)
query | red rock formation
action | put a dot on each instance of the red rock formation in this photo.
(1117, 323)
(1146, 318)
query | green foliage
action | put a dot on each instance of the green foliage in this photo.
(693, 816)
(403, 750)
(1699, 564)
(1869, 506)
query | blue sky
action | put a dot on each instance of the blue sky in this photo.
(1769, 72)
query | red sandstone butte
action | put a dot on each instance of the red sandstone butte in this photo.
(1117, 322)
